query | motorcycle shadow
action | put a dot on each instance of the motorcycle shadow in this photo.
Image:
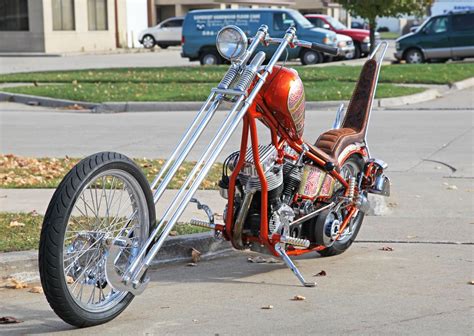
(235, 268)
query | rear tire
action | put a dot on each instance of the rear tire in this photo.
(148, 41)
(210, 57)
(74, 243)
(163, 46)
(351, 167)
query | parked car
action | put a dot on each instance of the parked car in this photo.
(346, 47)
(201, 27)
(361, 37)
(441, 37)
(165, 34)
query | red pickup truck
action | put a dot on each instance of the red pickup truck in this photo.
(361, 37)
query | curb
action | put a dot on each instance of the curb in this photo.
(121, 107)
(42, 101)
(24, 264)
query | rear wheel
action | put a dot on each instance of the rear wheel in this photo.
(163, 46)
(210, 57)
(104, 197)
(328, 223)
(148, 41)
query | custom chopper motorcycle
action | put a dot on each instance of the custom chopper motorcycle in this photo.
(289, 196)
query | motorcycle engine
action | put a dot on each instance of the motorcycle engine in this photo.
(283, 182)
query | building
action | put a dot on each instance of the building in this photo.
(61, 26)
(54, 26)
(163, 9)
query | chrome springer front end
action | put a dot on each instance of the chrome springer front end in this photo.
(234, 88)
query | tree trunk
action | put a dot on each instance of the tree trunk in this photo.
(373, 28)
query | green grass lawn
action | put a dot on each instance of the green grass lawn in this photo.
(388, 35)
(116, 92)
(21, 231)
(194, 83)
(395, 73)
(25, 172)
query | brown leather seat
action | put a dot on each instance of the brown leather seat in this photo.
(354, 126)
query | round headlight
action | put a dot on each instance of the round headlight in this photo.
(231, 42)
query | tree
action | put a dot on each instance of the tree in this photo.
(370, 9)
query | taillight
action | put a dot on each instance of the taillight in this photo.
(182, 39)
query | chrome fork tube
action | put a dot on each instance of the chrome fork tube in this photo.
(226, 131)
(187, 148)
(184, 140)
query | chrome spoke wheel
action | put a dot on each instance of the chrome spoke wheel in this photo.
(110, 206)
(104, 197)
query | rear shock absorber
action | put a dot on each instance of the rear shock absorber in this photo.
(351, 190)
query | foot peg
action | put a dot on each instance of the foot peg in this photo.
(201, 223)
(281, 251)
(295, 241)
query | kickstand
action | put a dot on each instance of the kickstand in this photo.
(281, 251)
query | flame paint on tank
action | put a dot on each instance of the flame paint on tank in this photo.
(283, 94)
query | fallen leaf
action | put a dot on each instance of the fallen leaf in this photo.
(471, 282)
(195, 321)
(36, 289)
(16, 224)
(267, 307)
(412, 237)
(322, 273)
(195, 255)
(452, 187)
(191, 264)
(298, 298)
(9, 320)
(15, 284)
(173, 233)
(386, 248)
(69, 280)
(262, 260)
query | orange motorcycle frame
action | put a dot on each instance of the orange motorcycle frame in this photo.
(259, 111)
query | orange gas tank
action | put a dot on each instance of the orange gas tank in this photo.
(283, 95)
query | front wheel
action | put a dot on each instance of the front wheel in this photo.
(309, 57)
(105, 196)
(414, 56)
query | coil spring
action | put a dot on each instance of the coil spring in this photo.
(228, 78)
(245, 80)
(352, 184)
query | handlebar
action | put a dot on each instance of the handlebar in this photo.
(304, 44)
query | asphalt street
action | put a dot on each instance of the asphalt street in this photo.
(420, 288)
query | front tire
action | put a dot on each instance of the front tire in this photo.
(103, 197)
(310, 57)
(414, 56)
